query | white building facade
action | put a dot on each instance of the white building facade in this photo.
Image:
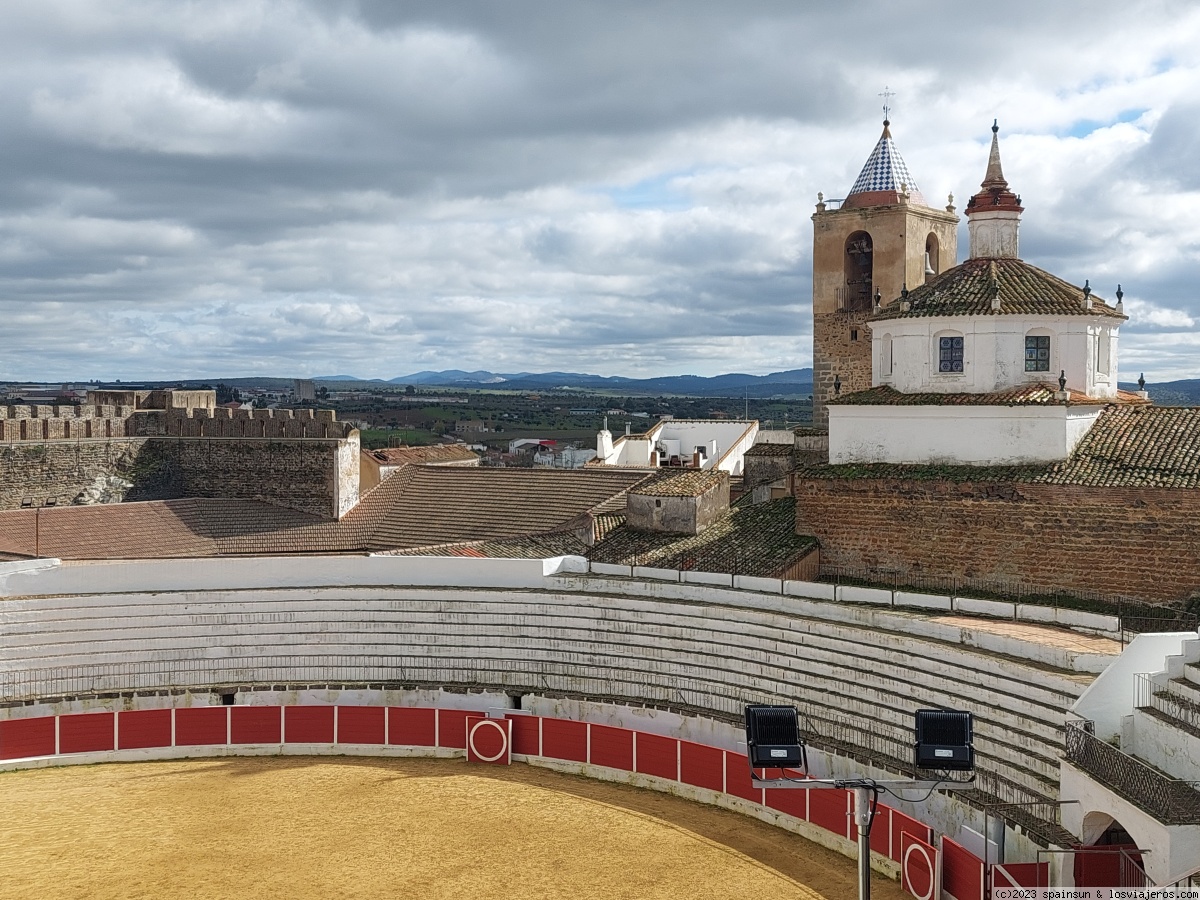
(992, 362)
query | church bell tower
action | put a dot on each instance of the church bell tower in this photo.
(880, 240)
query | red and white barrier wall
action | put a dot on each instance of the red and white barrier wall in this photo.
(903, 845)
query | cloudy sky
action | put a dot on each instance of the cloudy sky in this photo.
(376, 187)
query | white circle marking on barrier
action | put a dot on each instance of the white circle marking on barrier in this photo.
(928, 862)
(499, 730)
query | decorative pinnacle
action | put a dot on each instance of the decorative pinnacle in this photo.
(1062, 380)
(887, 95)
(1120, 294)
(994, 177)
(837, 385)
(1142, 381)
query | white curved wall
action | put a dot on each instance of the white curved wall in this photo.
(859, 674)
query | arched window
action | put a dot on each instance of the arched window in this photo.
(885, 361)
(932, 265)
(1037, 351)
(859, 267)
(951, 353)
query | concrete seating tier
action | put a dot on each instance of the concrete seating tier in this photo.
(696, 656)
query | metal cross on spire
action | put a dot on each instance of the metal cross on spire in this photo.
(887, 95)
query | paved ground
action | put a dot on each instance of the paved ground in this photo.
(1038, 634)
(303, 828)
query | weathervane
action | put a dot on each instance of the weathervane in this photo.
(887, 95)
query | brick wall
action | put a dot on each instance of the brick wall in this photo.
(1135, 542)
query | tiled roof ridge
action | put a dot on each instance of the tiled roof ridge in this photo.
(969, 288)
(1034, 393)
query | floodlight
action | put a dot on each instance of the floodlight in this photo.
(773, 737)
(944, 740)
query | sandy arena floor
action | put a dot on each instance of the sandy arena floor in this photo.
(303, 828)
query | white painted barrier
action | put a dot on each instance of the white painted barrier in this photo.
(974, 606)
(718, 578)
(656, 574)
(848, 593)
(753, 583)
(921, 601)
(599, 568)
(813, 590)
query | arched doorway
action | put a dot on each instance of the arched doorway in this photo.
(1110, 856)
(859, 269)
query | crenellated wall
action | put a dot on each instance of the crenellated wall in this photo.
(110, 450)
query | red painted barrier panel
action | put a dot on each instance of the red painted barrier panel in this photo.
(1021, 875)
(525, 735)
(792, 801)
(199, 725)
(86, 732)
(452, 727)
(564, 739)
(657, 755)
(918, 868)
(360, 724)
(612, 747)
(902, 825)
(20, 738)
(412, 726)
(881, 831)
(1099, 867)
(256, 724)
(830, 809)
(308, 724)
(489, 740)
(962, 872)
(737, 778)
(143, 728)
(701, 765)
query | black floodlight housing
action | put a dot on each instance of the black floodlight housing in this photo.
(773, 737)
(944, 740)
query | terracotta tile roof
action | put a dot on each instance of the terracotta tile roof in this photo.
(749, 540)
(771, 450)
(968, 289)
(1129, 446)
(431, 455)
(1149, 446)
(1024, 395)
(442, 505)
(419, 505)
(681, 483)
(753, 540)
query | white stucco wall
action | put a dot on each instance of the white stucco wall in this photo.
(960, 435)
(1110, 697)
(994, 353)
(725, 442)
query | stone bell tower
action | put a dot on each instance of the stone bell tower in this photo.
(880, 240)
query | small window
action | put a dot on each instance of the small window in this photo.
(854, 334)
(1037, 353)
(887, 354)
(950, 354)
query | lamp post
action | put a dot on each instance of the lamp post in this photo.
(943, 745)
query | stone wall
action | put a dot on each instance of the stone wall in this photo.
(1124, 541)
(85, 471)
(304, 475)
(315, 476)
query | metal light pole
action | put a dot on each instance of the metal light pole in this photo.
(863, 798)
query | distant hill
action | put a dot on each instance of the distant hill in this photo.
(790, 383)
(1171, 393)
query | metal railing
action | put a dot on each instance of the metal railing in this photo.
(1167, 701)
(1169, 800)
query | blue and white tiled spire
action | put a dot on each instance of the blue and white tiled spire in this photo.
(885, 171)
